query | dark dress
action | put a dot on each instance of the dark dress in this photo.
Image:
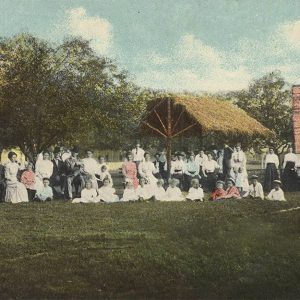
(271, 174)
(289, 177)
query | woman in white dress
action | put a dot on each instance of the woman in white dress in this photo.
(15, 191)
(147, 170)
(43, 169)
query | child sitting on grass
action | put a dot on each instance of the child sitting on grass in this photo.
(232, 191)
(173, 192)
(130, 193)
(256, 190)
(276, 193)
(195, 192)
(144, 190)
(88, 194)
(107, 193)
(219, 192)
(159, 191)
(46, 192)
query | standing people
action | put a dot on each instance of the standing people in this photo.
(73, 173)
(289, 174)
(15, 191)
(129, 170)
(271, 169)
(137, 154)
(239, 158)
(227, 161)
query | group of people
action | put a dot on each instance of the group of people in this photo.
(222, 174)
(63, 177)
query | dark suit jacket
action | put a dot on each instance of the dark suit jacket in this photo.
(58, 171)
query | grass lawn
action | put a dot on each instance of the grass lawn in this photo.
(235, 250)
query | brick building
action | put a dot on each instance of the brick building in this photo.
(296, 116)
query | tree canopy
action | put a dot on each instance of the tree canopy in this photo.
(268, 100)
(63, 93)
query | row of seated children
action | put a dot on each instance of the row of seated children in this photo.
(144, 192)
(255, 190)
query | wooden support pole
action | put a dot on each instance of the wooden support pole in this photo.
(169, 137)
(161, 122)
(183, 130)
(178, 119)
(155, 129)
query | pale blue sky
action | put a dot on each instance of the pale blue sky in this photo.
(179, 45)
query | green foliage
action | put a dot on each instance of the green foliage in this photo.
(63, 94)
(233, 250)
(268, 100)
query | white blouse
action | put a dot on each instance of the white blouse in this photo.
(210, 165)
(272, 158)
(276, 195)
(44, 168)
(292, 157)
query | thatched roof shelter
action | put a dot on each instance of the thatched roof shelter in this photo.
(174, 115)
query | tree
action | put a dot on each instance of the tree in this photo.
(62, 94)
(268, 100)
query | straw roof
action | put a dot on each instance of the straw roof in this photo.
(202, 115)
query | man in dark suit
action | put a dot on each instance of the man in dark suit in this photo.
(57, 180)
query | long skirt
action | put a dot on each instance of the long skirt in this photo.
(271, 174)
(289, 177)
(15, 192)
(210, 182)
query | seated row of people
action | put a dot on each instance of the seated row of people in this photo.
(255, 191)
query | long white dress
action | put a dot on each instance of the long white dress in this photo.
(107, 194)
(43, 169)
(87, 196)
(160, 193)
(130, 195)
(195, 194)
(146, 170)
(15, 191)
(174, 194)
(145, 192)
